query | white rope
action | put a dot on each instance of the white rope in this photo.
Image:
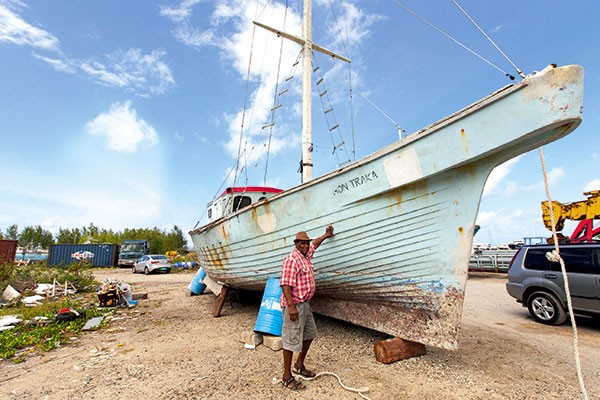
(359, 391)
(554, 256)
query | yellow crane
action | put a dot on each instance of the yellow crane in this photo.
(585, 211)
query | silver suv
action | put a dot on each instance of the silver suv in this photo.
(538, 283)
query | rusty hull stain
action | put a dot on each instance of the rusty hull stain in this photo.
(436, 325)
(216, 256)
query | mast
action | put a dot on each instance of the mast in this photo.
(307, 48)
(306, 93)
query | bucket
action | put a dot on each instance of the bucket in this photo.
(270, 317)
(197, 285)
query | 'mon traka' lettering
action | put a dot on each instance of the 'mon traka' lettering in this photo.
(355, 182)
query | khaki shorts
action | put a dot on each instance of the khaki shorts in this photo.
(294, 333)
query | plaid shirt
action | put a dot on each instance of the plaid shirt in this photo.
(298, 272)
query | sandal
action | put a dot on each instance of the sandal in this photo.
(292, 384)
(307, 373)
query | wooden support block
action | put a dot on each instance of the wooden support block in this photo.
(220, 301)
(139, 296)
(392, 350)
(273, 342)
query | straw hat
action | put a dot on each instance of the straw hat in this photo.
(301, 236)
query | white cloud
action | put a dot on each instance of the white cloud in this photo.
(497, 181)
(178, 137)
(594, 184)
(498, 177)
(60, 65)
(14, 29)
(133, 70)
(354, 24)
(122, 129)
(180, 12)
(555, 175)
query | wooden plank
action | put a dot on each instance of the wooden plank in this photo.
(220, 301)
(392, 350)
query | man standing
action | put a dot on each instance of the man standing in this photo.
(298, 286)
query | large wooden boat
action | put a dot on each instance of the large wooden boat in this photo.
(404, 216)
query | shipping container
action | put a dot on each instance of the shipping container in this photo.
(8, 250)
(99, 255)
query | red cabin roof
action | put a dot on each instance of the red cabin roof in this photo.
(246, 189)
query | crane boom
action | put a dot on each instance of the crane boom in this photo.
(584, 211)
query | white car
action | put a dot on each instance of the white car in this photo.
(152, 263)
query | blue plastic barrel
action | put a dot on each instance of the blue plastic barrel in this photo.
(197, 285)
(270, 318)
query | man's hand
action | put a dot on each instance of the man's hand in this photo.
(329, 231)
(293, 312)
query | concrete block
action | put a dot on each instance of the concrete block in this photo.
(251, 338)
(392, 350)
(273, 342)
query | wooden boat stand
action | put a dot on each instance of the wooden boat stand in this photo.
(219, 301)
(395, 349)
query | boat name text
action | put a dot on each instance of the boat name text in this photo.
(355, 182)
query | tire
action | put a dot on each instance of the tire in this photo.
(146, 271)
(545, 308)
(133, 269)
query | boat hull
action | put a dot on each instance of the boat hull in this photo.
(404, 217)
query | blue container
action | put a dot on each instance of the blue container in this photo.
(270, 317)
(100, 255)
(197, 285)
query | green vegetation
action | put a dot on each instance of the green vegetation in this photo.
(36, 237)
(45, 335)
(25, 278)
(42, 335)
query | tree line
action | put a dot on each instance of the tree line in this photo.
(35, 237)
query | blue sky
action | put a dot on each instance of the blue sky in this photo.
(128, 114)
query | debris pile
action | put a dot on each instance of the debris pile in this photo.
(113, 293)
(43, 290)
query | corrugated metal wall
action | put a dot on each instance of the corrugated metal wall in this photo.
(105, 255)
(8, 250)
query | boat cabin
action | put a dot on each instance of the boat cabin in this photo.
(236, 198)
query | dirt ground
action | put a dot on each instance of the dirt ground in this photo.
(170, 347)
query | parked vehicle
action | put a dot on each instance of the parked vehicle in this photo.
(152, 263)
(538, 283)
(131, 251)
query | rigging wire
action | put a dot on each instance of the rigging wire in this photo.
(245, 104)
(521, 74)
(275, 97)
(398, 127)
(343, 40)
(351, 113)
(511, 77)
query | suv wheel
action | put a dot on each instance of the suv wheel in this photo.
(545, 308)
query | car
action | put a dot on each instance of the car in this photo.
(537, 283)
(152, 263)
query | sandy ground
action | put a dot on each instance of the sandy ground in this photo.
(170, 347)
